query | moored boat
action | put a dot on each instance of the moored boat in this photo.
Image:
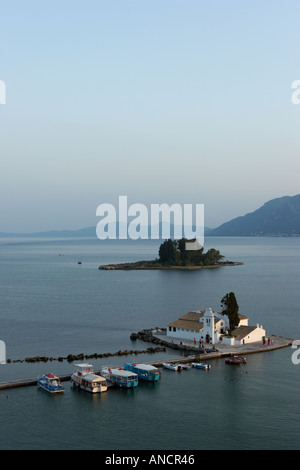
(120, 377)
(235, 360)
(183, 366)
(144, 371)
(50, 383)
(84, 377)
(201, 365)
(173, 367)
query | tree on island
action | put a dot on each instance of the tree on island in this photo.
(167, 251)
(231, 309)
(174, 252)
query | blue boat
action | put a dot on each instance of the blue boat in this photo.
(200, 365)
(120, 377)
(144, 371)
(50, 383)
(183, 366)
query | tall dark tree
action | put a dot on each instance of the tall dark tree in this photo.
(231, 309)
(175, 252)
(167, 251)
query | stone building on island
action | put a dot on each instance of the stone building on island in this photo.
(212, 327)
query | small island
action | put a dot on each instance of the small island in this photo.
(174, 255)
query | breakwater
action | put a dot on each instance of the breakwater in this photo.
(71, 358)
(81, 356)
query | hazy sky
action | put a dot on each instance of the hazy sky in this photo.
(164, 101)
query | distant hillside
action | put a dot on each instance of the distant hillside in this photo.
(89, 232)
(278, 217)
(84, 232)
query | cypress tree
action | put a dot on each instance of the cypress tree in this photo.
(231, 309)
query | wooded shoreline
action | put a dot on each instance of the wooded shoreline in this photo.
(150, 265)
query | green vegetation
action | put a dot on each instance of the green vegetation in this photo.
(231, 309)
(173, 255)
(173, 252)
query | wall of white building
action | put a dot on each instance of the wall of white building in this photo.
(214, 329)
(180, 333)
(253, 337)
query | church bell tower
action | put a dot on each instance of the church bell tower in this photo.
(208, 326)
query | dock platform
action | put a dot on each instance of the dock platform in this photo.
(27, 382)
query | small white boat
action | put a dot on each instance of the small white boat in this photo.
(50, 383)
(174, 367)
(84, 377)
(201, 365)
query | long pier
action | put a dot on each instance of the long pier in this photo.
(278, 343)
(26, 382)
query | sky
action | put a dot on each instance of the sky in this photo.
(163, 101)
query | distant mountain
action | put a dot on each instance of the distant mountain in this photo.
(89, 232)
(278, 217)
(84, 232)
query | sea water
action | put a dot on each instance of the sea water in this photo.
(52, 306)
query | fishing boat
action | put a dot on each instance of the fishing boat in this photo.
(235, 360)
(183, 366)
(201, 365)
(50, 383)
(174, 367)
(85, 378)
(120, 377)
(144, 371)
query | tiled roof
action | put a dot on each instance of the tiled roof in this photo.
(242, 331)
(187, 325)
(191, 321)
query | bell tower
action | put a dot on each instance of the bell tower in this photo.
(208, 326)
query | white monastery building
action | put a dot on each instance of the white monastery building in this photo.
(213, 327)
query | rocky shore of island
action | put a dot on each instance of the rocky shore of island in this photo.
(158, 336)
(150, 265)
(174, 254)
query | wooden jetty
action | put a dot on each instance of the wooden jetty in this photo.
(27, 382)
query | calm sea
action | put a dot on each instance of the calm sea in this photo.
(52, 306)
